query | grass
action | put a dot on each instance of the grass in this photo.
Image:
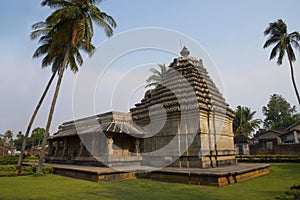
(282, 177)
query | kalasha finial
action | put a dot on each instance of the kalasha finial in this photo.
(185, 52)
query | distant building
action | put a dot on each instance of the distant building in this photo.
(6, 149)
(278, 141)
(292, 134)
(241, 144)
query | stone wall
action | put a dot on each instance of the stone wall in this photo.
(287, 149)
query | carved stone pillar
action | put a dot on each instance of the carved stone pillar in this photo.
(65, 149)
(110, 142)
(50, 151)
(81, 148)
(137, 146)
(56, 148)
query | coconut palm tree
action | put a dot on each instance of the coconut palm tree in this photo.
(70, 29)
(284, 43)
(243, 122)
(157, 77)
(52, 57)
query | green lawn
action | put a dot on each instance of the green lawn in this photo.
(281, 178)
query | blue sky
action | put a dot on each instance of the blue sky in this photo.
(231, 32)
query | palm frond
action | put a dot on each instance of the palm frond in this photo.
(271, 41)
(70, 26)
(281, 55)
(274, 51)
(243, 122)
(157, 76)
(291, 53)
(55, 3)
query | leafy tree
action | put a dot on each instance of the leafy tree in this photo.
(279, 113)
(284, 43)
(243, 122)
(37, 136)
(8, 136)
(70, 29)
(157, 77)
(19, 141)
(54, 56)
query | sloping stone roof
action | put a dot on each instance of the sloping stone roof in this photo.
(186, 87)
(173, 88)
(113, 122)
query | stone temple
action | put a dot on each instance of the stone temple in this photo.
(184, 123)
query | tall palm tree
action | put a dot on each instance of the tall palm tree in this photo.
(157, 77)
(284, 43)
(54, 57)
(71, 30)
(243, 122)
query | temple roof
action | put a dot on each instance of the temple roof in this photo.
(111, 122)
(186, 86)
(174, 94)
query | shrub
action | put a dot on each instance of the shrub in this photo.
(292, 194)
(10, 170)
(9, 160)
(7, 167)
(47, 170)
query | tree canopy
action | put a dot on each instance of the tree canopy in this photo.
(19, 141)
(65, 33)
(157, 77)
(243, 122)
(279, 113)
(283, 42)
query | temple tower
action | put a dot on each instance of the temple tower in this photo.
(193, 112)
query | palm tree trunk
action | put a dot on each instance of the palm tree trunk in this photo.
(46, 135)
(293, 79)
(19, 167)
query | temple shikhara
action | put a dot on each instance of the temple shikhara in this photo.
(184, 122)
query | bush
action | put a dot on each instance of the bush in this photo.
(9, 160)
(10, 170)
(292, 194)
(47, 170)
(8, 173)
(7, 168)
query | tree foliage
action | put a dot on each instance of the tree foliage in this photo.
(19, 141)
(243, 122)
(279, 113)
(8, 136)
(284, 43)
(34, 140)
(36, 136)
(157, 76)
(67, 32)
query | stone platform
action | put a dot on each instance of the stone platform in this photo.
(220, 176)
